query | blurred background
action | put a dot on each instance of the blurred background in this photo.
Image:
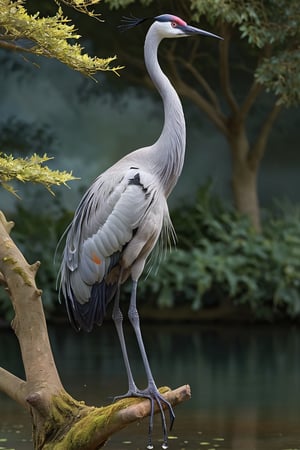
(231, 268)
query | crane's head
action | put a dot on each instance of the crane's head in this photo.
(167, 26)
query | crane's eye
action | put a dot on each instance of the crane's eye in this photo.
(174, 24)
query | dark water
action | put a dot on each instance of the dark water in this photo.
(245, 383)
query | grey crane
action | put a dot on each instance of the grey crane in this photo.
(122, 215)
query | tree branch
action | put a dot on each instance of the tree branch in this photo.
(256, 88)
(259, 147)
(252, 95)
(2, 280)
(186, 90)
(93, 426)
(224, 69)
(16, 48)
(191, 93)
(140, 409)
(203, 83)
(12, 386)
(29, 323)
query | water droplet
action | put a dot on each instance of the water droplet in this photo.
(150, 447)
(164, 446)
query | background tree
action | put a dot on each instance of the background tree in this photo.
(262, 47)
(59, 421)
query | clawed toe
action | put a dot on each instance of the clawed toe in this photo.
(152, 393)
(131, 394)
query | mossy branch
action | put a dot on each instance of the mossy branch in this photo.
(31, 169)
(92, 426)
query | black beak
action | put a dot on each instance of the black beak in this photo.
(188, 30)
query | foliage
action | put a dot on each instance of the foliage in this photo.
(271, 25)
(220, 256)
(30, 169)
(280, 74)
(271, 28)
(53, 37)
(82, 6)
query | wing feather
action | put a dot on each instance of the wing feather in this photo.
(104, 223)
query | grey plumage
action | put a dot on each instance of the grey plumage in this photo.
(115, 226)
(121, 216)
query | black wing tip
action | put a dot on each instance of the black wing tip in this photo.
(131, 22)
(83, 316)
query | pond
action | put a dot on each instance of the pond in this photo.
(245, 383)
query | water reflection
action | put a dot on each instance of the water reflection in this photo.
(245, 383)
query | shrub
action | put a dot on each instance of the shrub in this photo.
(220, 256)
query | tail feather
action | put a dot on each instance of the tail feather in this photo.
(87, 307)
(83, 316)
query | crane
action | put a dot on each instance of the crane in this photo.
(121, 216)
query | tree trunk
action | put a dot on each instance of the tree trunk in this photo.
(244, 187)
(59, 421)
(244, 176)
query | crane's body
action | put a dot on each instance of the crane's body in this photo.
(121, 216)
(128, 198)
(117, 241)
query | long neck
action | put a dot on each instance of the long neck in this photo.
(169, 149)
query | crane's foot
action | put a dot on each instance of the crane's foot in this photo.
(153, 394)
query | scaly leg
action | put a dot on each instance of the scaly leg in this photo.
(118, 321)
(151, 391)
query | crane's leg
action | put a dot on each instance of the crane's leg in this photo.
(151, 391)
(118, 321)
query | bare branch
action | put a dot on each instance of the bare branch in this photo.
(194, 52)
(224, 69)
(12, 386)
(186, 90)
(252, 95)
(138, 63)
(259, 147)
(218, 119)
(2, 280)
(29, 323)
(205, 85)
